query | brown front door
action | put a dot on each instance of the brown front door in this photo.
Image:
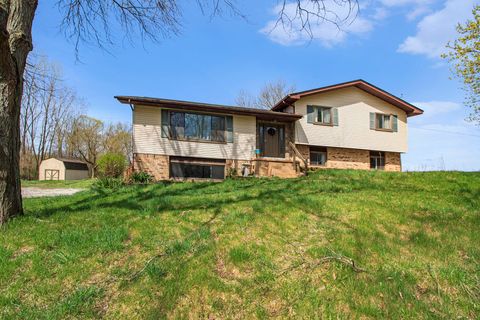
(272, 140)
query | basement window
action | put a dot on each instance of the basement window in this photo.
(318, 156)
(196, 168)
(377, 160)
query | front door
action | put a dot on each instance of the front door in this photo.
(272, 140)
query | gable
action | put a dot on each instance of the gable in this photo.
(409, 109)
(350, 96)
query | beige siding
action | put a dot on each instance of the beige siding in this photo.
(354, 107)
(51, 164)
(148, 138)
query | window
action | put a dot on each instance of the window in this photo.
(324, 115)
(377, 160)
(182, 168)
(177, 125)
(193, 126)
(318, 156)
(383, 121)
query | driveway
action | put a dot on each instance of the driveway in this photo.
(32, 192)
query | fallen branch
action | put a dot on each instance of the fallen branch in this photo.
(342, 259)
(337, 258)
(139, 272)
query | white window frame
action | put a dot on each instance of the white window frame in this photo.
(319, 112)
(383, 116)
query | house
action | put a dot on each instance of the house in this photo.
(62, 169)
(352, 125)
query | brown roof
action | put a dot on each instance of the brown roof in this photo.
(72, 160)
(72, 164)
(410, 109)
(198, 106)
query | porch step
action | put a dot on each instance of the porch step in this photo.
(275, 168)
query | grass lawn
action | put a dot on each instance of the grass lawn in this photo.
(255, 248)
(86, 183)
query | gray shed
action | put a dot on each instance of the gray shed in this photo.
(63, 169)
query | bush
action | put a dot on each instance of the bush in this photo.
(141, 177)
(232, 173)
(111, 165)
(108, 183)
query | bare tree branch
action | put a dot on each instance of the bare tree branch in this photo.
(304, 15)
(96, 21)
(268, 96)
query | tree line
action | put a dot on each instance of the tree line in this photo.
(53, 123)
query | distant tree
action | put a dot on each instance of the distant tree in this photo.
(47, 109)
(117, 138)
(269, 95)
(464, 54)
(86, 140)
(94, 21)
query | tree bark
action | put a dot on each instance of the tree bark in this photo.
(16, 17)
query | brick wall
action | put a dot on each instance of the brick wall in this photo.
(338, 158)
(274, 168)
(342, 158)
(237, 165)
(304, 151)
(154, 164)
(393, 161)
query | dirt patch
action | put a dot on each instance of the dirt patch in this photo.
(32, 192)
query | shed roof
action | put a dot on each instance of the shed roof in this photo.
(72, 164)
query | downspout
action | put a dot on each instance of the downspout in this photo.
(132, 107)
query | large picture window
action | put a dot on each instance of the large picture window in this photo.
(193, 126)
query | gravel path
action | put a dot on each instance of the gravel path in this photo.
(31, 192)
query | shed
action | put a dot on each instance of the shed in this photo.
(63, 169)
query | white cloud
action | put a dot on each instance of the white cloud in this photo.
(433, 108)
(417, 12)
(436, 29)
(380, 13)
(417, 7)
(326, 33)
(398, 3)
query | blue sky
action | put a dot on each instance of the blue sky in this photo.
(394, 44)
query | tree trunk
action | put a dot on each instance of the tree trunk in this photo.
(16, 18)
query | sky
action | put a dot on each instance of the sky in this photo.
(393, 44)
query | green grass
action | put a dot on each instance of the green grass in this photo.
(86, 183)
(250, 248)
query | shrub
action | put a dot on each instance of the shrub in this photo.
(108, 183)
(232, 173)
(111, 165)
(141, 177)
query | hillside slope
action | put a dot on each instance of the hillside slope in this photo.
(334, 244)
